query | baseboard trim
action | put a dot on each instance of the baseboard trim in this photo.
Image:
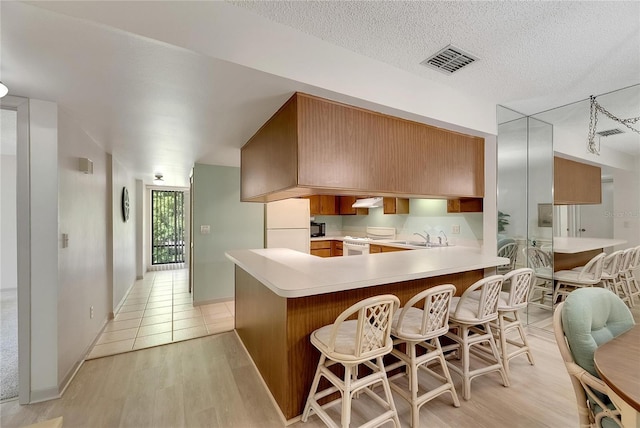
(40, 395)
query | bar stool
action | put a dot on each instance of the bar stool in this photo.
(509, 305)
(569, 280)
(414, 326)
(629, 274)
(610, 270)
(540, 262)
(469, 326)
(351, 343)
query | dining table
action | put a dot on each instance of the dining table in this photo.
(618, 364)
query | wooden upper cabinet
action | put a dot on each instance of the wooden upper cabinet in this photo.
(469, 205)
(576, 183)
(321, 146)
(346, 208)
(323, 205)
(395, 205)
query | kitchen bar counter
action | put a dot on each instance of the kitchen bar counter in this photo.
(578, 245)
(569, 253)
(289, 273)
(281, 296)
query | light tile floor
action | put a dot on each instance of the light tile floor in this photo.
(157, 311)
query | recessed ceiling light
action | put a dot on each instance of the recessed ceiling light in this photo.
(449, 60)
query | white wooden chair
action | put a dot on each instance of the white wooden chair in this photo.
(469, 321)
(351, 342)
(622, 284)
(509, 306)
(633, 286)
(578, 324)
(542, 288)
(509, 251)
(611, 270)
(415, 327)
(569, 280)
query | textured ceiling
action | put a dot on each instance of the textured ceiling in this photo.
(533, 55)
(162, 85)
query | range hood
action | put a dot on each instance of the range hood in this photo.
(368, 203)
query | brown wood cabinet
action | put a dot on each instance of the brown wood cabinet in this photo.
(316, 146)
(336, 248)
(576, 183)
(470, 205)
(323, 205)
(321, 248)
(377, 248)
(347, 209)
(395, 205)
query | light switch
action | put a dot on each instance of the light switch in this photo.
(65, 240)
(455, 228)
(205, 229)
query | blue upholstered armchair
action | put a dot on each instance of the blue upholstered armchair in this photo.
(587, 319)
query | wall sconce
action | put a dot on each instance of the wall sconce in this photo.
(3, 90)
(85, 165)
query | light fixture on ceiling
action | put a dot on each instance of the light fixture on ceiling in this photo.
(593, 123)
(159, 178)
(3, 89)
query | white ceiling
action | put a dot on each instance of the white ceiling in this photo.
(160, 100)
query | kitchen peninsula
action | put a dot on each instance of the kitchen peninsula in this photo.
(570, 252)
(281, 296)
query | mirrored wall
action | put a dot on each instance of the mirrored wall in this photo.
(525, 200)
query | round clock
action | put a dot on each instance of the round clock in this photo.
(125, 204)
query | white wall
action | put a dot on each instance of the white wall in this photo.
(123, 233)
(234, 225)
(82, 267)
(626, 207)
(8, 236)
(38, 246)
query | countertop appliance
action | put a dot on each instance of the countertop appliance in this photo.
(355, 246)
(317, 229)
(287, 224)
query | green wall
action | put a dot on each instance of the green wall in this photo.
(234, 225)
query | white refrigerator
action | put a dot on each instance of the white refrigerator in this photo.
(287, 224)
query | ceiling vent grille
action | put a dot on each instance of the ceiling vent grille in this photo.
(449, 60)
(610, 132)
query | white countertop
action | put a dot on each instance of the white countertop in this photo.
(578, 245)
(290, 274)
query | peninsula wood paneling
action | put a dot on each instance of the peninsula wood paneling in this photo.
(344, 147)
(567, 261)
(333, 148)
(576, 183)
(269, 160)
(277, 337)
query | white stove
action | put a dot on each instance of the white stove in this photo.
(355, 246)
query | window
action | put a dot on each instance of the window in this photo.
(167, 220)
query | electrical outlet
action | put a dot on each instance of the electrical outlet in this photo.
(455, 228)
(91, 312)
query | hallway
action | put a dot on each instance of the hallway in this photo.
(158, 310)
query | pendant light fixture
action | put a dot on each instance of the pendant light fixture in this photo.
(3, 89)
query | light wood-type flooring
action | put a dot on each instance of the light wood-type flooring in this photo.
(211, 382)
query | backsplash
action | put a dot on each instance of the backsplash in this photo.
(428, 215)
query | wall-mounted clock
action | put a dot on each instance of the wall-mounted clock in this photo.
(125, 204)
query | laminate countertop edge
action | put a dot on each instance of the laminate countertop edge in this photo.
(292, 274)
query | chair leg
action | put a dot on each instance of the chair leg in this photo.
(312, 391)
(494, 349)
(523, 337)
(503, 343)
(346, 397)
(447, 374)
(466, 381)
(387, 393)
(413, 385)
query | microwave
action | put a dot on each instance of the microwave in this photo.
(317, 229)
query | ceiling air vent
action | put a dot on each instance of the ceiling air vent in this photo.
(610, 132)
(449, 60)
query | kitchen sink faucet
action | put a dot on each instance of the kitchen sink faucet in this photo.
(426, 237)
(446, 240)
